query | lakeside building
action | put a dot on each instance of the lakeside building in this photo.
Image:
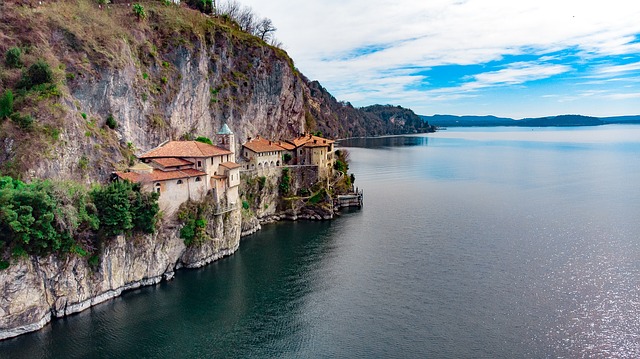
(308, 149)
(188, 170)
(261, 153)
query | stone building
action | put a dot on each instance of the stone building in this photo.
(314, 150)
(261, 153)
(183, 170)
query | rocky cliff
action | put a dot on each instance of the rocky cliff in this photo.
(34, 290)
(176, 73)
(84, 87)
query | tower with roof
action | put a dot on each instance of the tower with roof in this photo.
(226, 139)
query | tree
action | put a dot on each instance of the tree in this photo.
(114, 207)
(265, 29)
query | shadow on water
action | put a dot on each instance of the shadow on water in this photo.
(244, 304)
(385, 142)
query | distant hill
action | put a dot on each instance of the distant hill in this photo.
(550, 121)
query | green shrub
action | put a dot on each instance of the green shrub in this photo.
(83, 163)
(284, 182)
(122, 207)
(204, 140)
(94, 260)
(245, 205)
(114, 207)
(6, 104)
(28, 217)
(13, 57)
(84, 115)
(318, 196)
(37, 74)
(111, 122)
(25, 122)
(262, 180)
(138, 10)
(193, 230)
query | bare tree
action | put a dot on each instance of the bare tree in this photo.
(247, 20)
(265, 29)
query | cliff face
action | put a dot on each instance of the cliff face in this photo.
(175, 74)
(119, 86)
(33, 290)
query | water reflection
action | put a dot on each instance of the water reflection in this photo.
(384, 142)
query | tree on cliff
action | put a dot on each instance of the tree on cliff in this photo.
(265, 29)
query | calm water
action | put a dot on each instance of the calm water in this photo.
(473, 243)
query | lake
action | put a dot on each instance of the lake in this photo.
(472, 243)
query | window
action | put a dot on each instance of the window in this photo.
(179, 181)
(199, 163)
(198, 179)
(158, 187)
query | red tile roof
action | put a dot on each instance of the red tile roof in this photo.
(314, 141)
(158, 175)
(286, 145)
(230, 165)
(171, 162)
(260, 145)
(185, 149)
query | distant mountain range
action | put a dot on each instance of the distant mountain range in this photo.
(551, 121)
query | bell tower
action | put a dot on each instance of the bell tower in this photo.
(226, 140)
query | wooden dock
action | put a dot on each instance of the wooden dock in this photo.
(354, 199)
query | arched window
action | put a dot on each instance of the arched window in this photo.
(198, 179)
(179, 181)
(158, 187)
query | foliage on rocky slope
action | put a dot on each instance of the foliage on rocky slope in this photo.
(121, 84)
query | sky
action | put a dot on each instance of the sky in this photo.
(511, 58)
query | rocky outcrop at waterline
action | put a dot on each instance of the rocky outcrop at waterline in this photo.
(33, 290)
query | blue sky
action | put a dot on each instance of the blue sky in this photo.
(479, 57)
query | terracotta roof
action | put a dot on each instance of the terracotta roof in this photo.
(158, 175)
(286, 145)
(129, 176)
(260, 145)
(185, 149)
(171, 162)
(230, 165)
(316, 140)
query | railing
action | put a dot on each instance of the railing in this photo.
(224, 209)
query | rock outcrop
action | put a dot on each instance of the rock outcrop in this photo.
(33, 290)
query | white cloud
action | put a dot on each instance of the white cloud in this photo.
(618, 69)
(624, 96)
(320, 35)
